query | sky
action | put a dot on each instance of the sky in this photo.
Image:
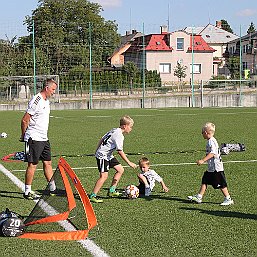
(145, 15)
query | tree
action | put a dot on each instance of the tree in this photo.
(131, 70)
(233, 65)
(226, 26)
(8, 53)
(65, 28)
(251, 28)
(180, 71)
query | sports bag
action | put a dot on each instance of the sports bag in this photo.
(226, 148)
(10, 224)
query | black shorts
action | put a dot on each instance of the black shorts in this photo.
(141, 188)
(216, 179)
(104, 165)
(37, 150)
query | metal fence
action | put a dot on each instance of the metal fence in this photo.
(21, 88)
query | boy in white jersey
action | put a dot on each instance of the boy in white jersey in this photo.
(215, 175)
(147, 178)
(34, 128)
(111, 141)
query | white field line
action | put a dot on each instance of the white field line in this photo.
(161, 164)
(88, 244)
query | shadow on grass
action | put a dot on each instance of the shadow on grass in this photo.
(9, 194)
(161, 196)
(231, 214)
(158, 195)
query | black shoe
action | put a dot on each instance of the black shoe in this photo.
(31, 196)
(53, 193)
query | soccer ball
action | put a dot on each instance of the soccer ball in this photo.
(131, 192)
(3, 135)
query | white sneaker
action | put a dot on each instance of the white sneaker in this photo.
(227, 202)
(194, 198)
(147, 191)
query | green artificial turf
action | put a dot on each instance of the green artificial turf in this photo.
(165, 224)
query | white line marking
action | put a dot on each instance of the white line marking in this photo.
(161, 164)
(88, 244)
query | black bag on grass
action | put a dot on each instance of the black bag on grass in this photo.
(226, 148)
(10, 224)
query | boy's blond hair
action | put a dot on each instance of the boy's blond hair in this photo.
(143, 160)
(209, 127)
(126, 120)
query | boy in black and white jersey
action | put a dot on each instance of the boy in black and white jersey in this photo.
(214, 175)
(147, 178)
(110, 142)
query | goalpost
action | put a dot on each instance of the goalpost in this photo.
(21, 88)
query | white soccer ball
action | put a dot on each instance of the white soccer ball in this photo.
(3, 135)
(131, 192)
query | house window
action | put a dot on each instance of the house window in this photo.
(249, 49)
(244, 48)
(180, 43)
(197, 68)
(164, 67)
(244, 65)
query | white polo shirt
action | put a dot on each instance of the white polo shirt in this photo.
(39, 109)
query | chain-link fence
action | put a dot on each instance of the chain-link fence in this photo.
(21, 88)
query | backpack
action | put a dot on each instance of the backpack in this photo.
(226, 148)
(10, 224)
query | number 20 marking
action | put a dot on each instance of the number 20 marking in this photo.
(15, 223)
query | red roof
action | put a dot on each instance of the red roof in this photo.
(157, 42)
(160, 42)
(200, 45)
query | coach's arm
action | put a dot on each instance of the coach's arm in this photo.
(24, 124)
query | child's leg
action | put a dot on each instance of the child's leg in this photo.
(202, 190)
(99, 183)
(116, 178)
(225, 192)
(227, 200)
(142, 178)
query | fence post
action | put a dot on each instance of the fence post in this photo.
(90, 67)
(34, 57)
(201, 93)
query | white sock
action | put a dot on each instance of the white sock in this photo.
(52, 185)
(199, 196)
(227, 197)
(27, 189)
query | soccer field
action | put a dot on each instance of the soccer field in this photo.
(166, 224)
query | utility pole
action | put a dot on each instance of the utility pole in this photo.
(34, 58)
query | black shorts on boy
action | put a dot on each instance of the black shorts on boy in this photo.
(104, 165)
(216, 179)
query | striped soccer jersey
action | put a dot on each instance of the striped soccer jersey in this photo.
(215, 163)
(111, 141)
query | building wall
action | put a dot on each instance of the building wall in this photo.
(184, 57)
